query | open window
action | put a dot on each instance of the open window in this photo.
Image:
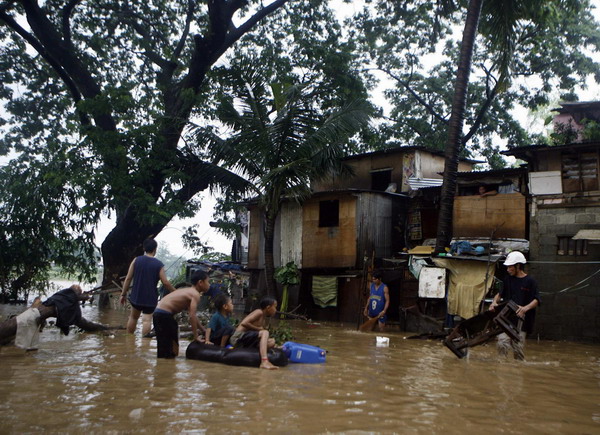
(329, 213)
(569, 246)
(381, 179)
(579, 171)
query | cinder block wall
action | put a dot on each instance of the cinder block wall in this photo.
(570, 308)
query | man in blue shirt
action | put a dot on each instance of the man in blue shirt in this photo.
(145, 271)
(379, 301)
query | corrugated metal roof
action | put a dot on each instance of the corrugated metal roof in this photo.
(420, 183)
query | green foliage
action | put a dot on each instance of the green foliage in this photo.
(564, 133)
(278, 142)
(40, 225)
(193, 242)
(524, 53)
(591, 130)
(281, 333)
(174, 264)
(288, 274)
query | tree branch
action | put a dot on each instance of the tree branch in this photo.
(66, 20)
(167, 66)
(491, 95)
(39, 48)
(424, 103)
(186, 31)
(237, 33)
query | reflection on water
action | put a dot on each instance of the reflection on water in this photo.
(97, 383)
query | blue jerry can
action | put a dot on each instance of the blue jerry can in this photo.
(303, 353)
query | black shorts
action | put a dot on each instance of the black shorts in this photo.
(216, 337)
(249, 339)
(167, 334)
(145, 310)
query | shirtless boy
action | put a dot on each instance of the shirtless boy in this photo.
(165, 325)
(251, 332)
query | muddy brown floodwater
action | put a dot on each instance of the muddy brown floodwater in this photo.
(98, 384)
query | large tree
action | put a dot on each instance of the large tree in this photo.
(280, 137)
(502, 26)
(525, 52)
(526, 55)
(98, 94)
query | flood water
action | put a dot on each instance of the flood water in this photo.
(98, 384)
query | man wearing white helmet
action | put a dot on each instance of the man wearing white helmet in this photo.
(522, 290)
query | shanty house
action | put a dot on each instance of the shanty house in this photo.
(348, 227)
(564, 234)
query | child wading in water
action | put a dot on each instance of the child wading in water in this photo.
(165, 325)
(251, 331)
(219, 329)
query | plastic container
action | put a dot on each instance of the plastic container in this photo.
(303, 353)
(382, 341)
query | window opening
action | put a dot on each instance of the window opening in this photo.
(380, 180)
(329, 213)
(568, 246)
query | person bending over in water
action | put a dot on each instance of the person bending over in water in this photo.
(251, 331)
(165, 325)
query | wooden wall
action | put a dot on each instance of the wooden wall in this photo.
(329, 246)
(374, 224)
(255, 239)
(477, 217)
(291, 233)
(402, 163)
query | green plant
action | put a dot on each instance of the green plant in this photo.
(281, 333)
(564, 133)
(287, 275)
(591, 130)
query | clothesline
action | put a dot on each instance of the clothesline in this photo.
(574, 287)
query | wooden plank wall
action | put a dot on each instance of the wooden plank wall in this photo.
(255, 239)
(329, 246)
(477, 217)
(374, 221)
(291, 233)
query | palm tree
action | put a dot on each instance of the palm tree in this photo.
(453, 143)
(280, 141)
(499, 27)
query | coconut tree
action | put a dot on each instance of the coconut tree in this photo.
(502, 23)
(454, 140)
(280, 139)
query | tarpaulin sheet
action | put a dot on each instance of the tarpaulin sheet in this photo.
(466, 288)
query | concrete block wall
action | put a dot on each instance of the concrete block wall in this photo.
(569, 311)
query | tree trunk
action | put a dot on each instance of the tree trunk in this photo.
(121, 246)
(8, 328)
(269, 257)
(453, 143)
